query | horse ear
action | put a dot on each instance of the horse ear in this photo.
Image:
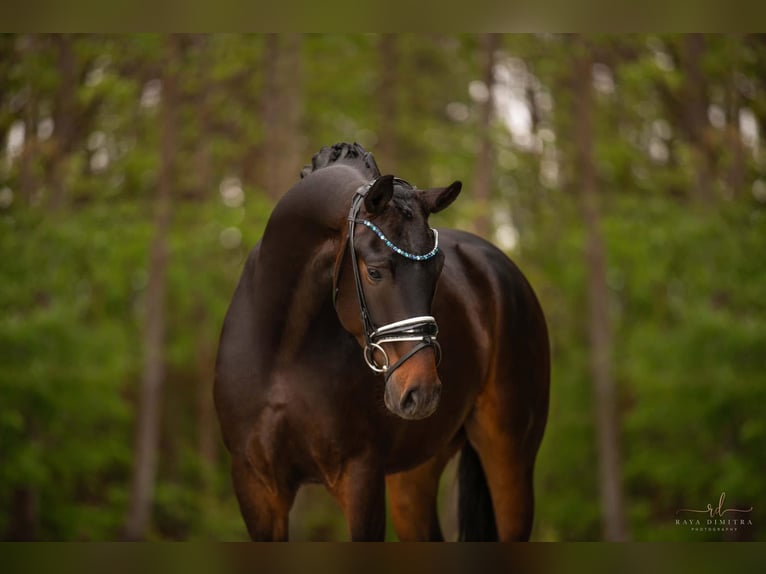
(379, 194)
(440, 198)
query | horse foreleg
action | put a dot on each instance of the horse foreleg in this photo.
(361, 493)
(264, 508)
(413, 495)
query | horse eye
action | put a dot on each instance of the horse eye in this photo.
(374, 274)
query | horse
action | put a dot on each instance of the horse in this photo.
(362, 350)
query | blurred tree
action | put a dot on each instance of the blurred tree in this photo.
(483, 171)
(599, 322)
(207, 428)
(694, 104)
(281, 147)
(64, 118)
(387, 91)
(148, 416)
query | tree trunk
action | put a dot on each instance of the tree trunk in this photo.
(64, 119)
(207, 427)
(386, 152)
(23, 515)
(289, 134)
(26, 47)
(148, 419)
(600, 335)
(482, 178)
(696, 104)
(202, 160)
(735, 176)
(279, 153)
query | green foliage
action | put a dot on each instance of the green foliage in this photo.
(696, 357)
(67, 347)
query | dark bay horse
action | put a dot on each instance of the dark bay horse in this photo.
(362, 349)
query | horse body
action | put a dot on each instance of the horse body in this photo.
(298, 404)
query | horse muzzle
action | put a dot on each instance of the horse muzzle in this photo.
(413, 398)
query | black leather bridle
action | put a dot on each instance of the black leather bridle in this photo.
(422, 329)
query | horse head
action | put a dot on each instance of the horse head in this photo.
(384, 299)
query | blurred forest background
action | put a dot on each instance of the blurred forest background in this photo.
(626, 175)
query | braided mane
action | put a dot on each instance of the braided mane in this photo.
(344, 153)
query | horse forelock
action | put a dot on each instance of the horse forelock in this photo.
(405, 201)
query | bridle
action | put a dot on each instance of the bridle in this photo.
(422, 329)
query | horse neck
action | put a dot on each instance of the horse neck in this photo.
(294, 273)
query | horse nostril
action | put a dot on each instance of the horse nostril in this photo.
(409, 401)
(418, 401)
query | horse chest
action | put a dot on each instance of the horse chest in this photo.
(316, 425)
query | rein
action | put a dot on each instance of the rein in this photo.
(422, 329)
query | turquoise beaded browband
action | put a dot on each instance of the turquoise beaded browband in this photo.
(399, 250)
